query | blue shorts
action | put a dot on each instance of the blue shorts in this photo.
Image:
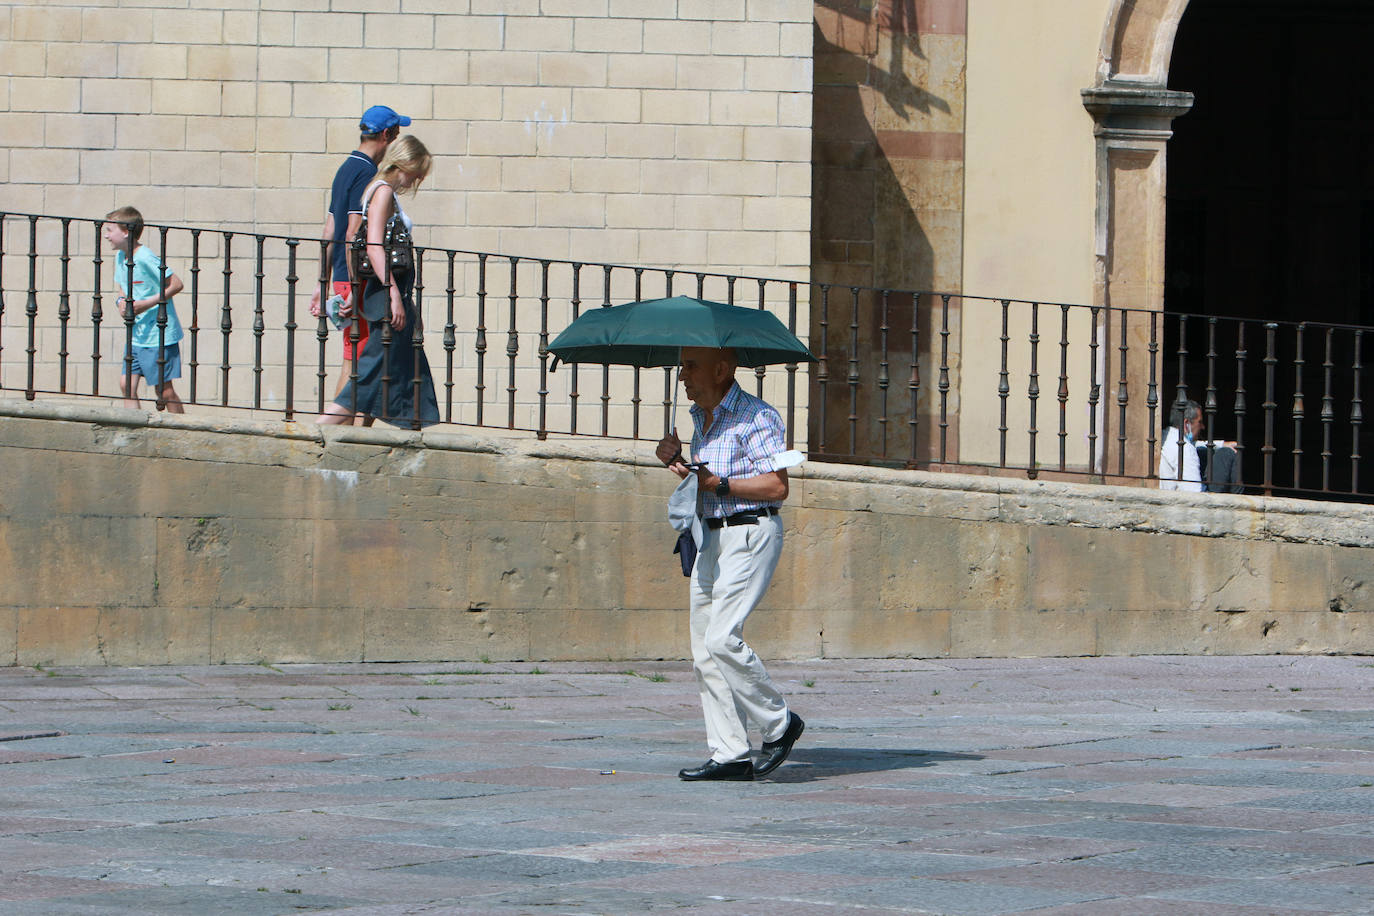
(145, 363)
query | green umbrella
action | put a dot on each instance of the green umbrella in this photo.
(654, 331)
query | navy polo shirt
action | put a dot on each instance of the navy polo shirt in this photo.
(345, 197)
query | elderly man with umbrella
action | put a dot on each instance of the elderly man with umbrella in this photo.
(742, 478)
(739, 468)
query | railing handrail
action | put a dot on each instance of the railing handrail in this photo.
(900, 377)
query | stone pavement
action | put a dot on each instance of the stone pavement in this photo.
(1063, 786)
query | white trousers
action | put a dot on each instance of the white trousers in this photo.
(732, 572)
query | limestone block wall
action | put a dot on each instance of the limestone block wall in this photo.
(128, 539)
(671, 133)
(652, 131)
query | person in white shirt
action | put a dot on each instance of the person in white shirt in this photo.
(1224, 473)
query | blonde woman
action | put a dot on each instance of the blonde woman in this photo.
(393, 372)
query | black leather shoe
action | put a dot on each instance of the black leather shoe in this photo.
(735, 771)
(775, 752)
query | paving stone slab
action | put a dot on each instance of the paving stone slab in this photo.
(1083, 786)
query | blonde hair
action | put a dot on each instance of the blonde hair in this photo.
(406, 154)
(130, 218)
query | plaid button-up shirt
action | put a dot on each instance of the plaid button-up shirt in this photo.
(745, 438)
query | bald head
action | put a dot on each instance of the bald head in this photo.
(707, 373)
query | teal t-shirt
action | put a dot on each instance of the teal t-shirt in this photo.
(147, 282)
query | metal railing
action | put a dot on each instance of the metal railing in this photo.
(904, 379)
(248, 329)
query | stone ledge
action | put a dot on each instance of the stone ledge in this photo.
(943, 494)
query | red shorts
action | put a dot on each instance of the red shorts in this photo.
(345, 289)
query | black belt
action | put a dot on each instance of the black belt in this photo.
(747, 517)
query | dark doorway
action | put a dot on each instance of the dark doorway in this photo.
(1271, 219)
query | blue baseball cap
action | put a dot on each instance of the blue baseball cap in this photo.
(379, 118)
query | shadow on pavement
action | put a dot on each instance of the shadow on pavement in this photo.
(810, 763)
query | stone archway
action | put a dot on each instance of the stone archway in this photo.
(1138, 41)
(1133, 111)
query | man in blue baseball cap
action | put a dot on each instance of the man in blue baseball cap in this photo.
(378, 126)
(379, 119)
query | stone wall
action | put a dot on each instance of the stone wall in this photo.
(652, 133)
(191, 541)
(630, 131)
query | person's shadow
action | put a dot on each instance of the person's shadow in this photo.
(807, 764)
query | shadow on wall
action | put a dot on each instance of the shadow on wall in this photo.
(886, 183)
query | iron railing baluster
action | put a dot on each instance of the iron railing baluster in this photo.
(1270, 406)
(791, 417)
(543, 431)
(3, 216)
(1181, 388)
(854, 376)
(914, 383)
(291, 281)
(1094, 391)
(1356, 414)
(226, 318)
(128, 314)
(450, 337)
(1063, 393)
(193, 330)
(64, 305)
(669, 420)
(636, 400)
(31, 306)
(259, 320)
(1033, 389)
(823, 369)
(606, 369)
(417, 344)
(481, 342)
(97, 304)
(326, 289)
(1299, 409)
(1240, 407)
(1123, 398)
(573, 392)
(1152, 395)
(883, 378)
(1003, 386)
(1209, 404)
(944, 378)
(512, 341)
(759, 370)
(1328, 412)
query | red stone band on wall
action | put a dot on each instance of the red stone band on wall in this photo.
(900, 144)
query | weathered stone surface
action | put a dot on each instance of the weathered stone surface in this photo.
(234, 562)
(605, 634)
(444, 633)
(194, 540)
(876, 632)
(76, 560)
(1022, 632)
(154, 635)
(47, 635)
(9, 632)
(248, 635)
(395, 563)
(948, 564)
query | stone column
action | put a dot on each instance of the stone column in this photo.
(1134, 122)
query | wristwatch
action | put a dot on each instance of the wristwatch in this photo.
(723, 488)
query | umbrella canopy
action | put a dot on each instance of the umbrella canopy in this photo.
(654, 331)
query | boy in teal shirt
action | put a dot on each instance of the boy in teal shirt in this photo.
(122, 233)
